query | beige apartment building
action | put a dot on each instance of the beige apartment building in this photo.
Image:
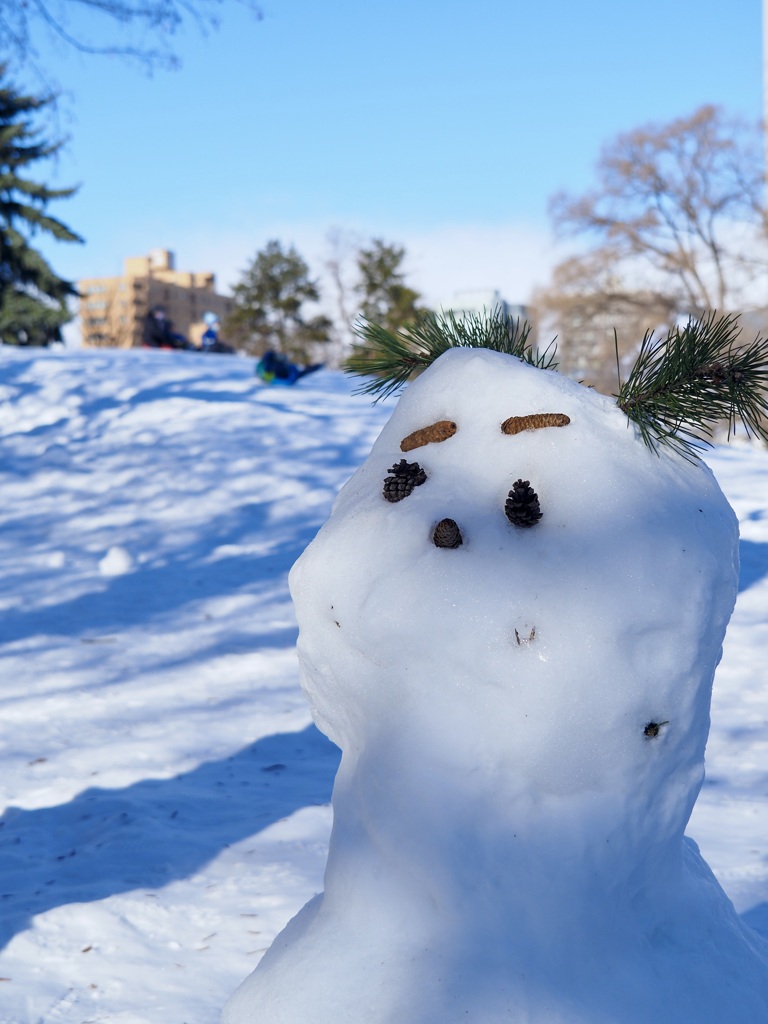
(112, 309)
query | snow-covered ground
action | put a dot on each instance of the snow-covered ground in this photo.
(165, 793)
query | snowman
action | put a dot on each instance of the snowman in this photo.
(510, 626)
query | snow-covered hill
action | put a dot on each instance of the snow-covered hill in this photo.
(165, 793)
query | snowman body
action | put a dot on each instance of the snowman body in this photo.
(522, 716)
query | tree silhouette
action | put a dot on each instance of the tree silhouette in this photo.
(33, 299)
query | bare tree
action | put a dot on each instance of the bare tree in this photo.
(592, 310)
(141, 30)
(681, 199)
(340, 265)
(677, 224)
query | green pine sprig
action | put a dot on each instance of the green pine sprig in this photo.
(388, 359)
(682, 385)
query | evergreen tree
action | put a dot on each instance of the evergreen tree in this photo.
(33, 299)
(269, 301)
(385, 298)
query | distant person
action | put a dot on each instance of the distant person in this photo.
(210, 341)
(275, 368)
(211, 334)
(177, 340)
(156, 331)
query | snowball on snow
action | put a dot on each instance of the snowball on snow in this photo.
(116, 562)
(523, 721)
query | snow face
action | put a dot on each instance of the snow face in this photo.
(523, 720)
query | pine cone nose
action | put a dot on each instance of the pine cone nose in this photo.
(447, 534)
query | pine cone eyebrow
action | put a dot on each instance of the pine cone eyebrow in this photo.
(434, 433)
(537, 420)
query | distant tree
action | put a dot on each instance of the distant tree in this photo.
(269, 306)
(385, 299)
(679, 207)
(677, 225)
(33, 299)
(137, 29)
(590, 310)
(340, 263)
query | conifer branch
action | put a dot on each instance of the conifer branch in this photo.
(388, 359)
(681, 386)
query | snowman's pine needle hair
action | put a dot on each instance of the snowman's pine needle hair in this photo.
(388, 359)
(682, 385)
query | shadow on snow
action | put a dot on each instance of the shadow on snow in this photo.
(152, 591)
(757, 918)
(753, 556)
(156, 831)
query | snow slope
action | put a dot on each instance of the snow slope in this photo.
(159, 769)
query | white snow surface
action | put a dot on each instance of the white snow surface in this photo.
(166, 795)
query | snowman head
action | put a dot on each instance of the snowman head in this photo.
(513, 579)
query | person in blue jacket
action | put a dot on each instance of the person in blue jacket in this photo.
(275, 368)
(210, 341)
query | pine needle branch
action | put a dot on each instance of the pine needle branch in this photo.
(388, 359)
(681, 386)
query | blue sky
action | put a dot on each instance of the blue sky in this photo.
(443, 126)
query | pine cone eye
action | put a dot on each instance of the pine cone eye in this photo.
(404, 476)
(522, 505)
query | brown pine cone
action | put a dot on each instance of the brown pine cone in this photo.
(404, 477)
(447, 534)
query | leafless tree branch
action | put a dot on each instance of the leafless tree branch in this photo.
(24, 23)
(671, 196)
